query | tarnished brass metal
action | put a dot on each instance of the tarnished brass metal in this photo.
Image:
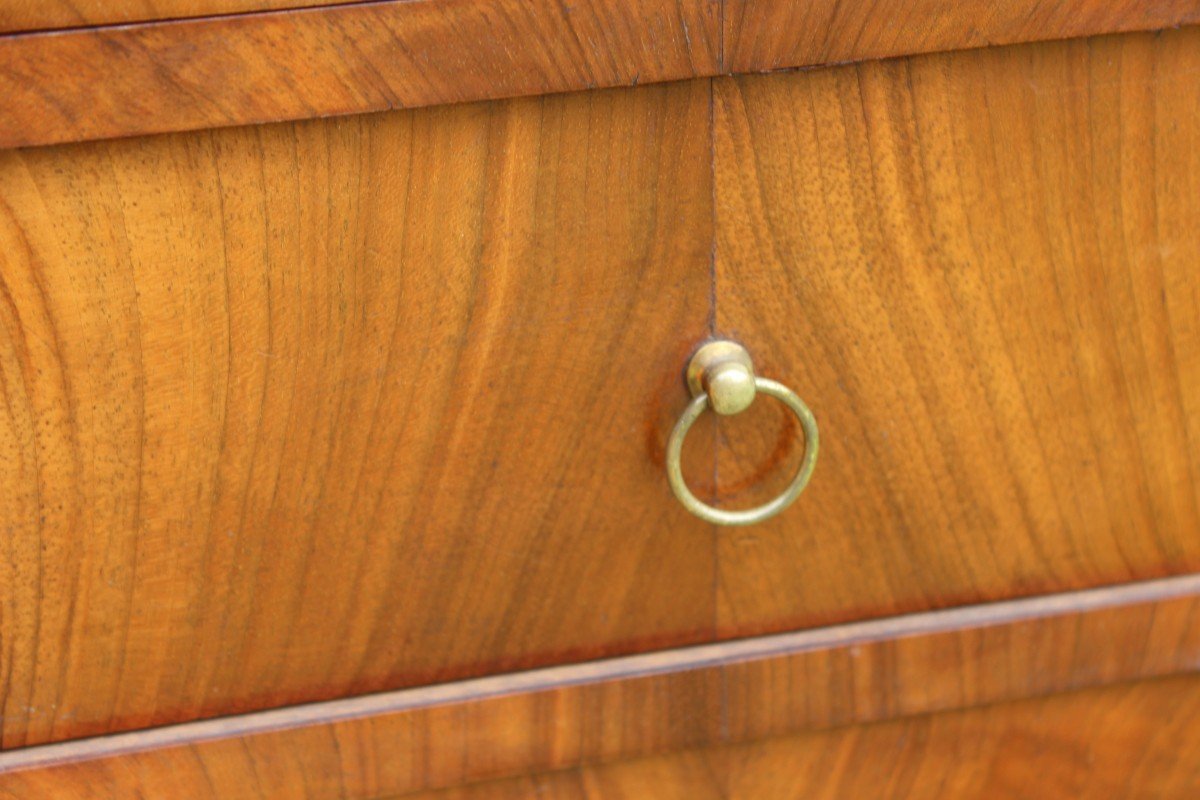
(723, 370)
(721, 377)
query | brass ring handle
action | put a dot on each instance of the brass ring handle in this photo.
(721, 377)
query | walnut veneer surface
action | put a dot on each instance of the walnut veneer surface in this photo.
(980, 271)
(1135, 741)
(308, 410)
(317, 409)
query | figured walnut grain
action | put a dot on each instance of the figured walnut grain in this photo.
(308, 410)
(719, 700)
(979, 271)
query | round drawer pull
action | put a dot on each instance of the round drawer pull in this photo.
(721, 377)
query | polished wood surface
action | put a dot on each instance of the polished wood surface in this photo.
(763, 35)
(114, 81)
(1134, 741)
(38, 15)
(979, 270)
(760, 34)
(317, 409)
(120, 81)
(570, 716)
(678, 776)
(310, 410)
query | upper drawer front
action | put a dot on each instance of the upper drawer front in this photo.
(982, 271)
(304, 410)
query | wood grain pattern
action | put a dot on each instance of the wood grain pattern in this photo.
(1129, 741)
(979, 269)
(250, 68)
(572, 716)
(150, 78)
(764, 35)
(317, 409)
(679, 776)
(38, 15)
(760, 34)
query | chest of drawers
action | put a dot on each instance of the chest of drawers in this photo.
(341, 348)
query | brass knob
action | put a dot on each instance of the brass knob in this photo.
(721, 376)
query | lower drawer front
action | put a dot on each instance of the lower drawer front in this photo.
(1138, 740)
(943, 703)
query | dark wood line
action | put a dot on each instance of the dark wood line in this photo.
(753, 653)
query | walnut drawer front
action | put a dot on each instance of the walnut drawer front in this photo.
(310, 410)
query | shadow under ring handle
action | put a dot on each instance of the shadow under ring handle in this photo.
(721, 377)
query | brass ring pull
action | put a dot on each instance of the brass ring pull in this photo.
(721, 376)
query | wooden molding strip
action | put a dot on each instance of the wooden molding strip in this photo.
(154, 77)
(49, 15)
(562, 717)
(120, 81)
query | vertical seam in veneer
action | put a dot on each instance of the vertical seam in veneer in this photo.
(712, 188)
(722, 68)
(712, 332)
